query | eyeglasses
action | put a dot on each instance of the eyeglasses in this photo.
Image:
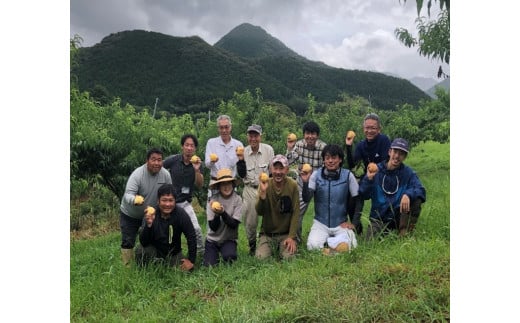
(224, 127)
(371, 128)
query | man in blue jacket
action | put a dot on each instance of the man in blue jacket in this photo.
(396, 193)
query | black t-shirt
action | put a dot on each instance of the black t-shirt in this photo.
(183, 177)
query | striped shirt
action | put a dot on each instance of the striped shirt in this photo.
(301, 154)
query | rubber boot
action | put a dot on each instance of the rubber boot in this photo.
(127, 256)
(409, 220)
(252, 247)
(407, 223)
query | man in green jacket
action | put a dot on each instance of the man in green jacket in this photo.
(278, 205)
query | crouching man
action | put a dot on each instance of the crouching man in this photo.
(160, 236)
(331, 186)
(278, 205)
(396, 193)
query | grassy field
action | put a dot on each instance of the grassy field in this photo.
(390, 280)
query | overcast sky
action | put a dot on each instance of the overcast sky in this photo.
(352, 34)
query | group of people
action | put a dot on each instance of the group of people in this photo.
(157, 205)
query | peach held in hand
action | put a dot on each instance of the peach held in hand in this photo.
(264, 177)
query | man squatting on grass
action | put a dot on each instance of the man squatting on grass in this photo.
(160, 236)
(278, 205)
(396, 193)
(331, 186)
(141, 191)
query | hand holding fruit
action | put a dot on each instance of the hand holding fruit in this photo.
(306, 168)
(138, 200)
(240, 151)
(217, 207)
(149, 210)
(195, 159)
(291, 141)
(263, 185)
(149, 215)
(371, 170)
(213, 158)
(349, 138)
(306, 175)
(263, 177)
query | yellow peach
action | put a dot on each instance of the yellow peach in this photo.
(291, 137)
(351, 134)
(372, 167)
(306, 168)
(264, 177)
(216, 206)
(138, 200)
(213, 157)
(149, 210)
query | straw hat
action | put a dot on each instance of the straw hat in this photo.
(223, 175)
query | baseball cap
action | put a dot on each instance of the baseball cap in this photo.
(280, 159)
(400, 143)
(255, 128)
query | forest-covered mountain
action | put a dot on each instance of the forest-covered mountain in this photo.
(187, 74)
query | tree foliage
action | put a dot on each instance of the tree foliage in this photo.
(433, 39)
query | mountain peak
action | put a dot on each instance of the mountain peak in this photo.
(249, 41)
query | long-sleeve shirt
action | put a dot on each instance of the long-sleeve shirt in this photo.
(388, 187)
(273, 221)
(302, 154)
(227, 156)
(374, 151)
(165, 234)
(142, 182)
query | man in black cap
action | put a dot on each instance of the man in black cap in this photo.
(396, 193)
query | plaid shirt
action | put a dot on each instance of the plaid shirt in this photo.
(301, 154)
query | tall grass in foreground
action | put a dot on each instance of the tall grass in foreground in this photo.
(389, 280)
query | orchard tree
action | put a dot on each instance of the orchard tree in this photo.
(433, 39)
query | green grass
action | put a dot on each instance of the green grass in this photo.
(392, 280)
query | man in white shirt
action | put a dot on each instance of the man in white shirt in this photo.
(224, 146)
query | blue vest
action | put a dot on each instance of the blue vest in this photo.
(330, 198)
